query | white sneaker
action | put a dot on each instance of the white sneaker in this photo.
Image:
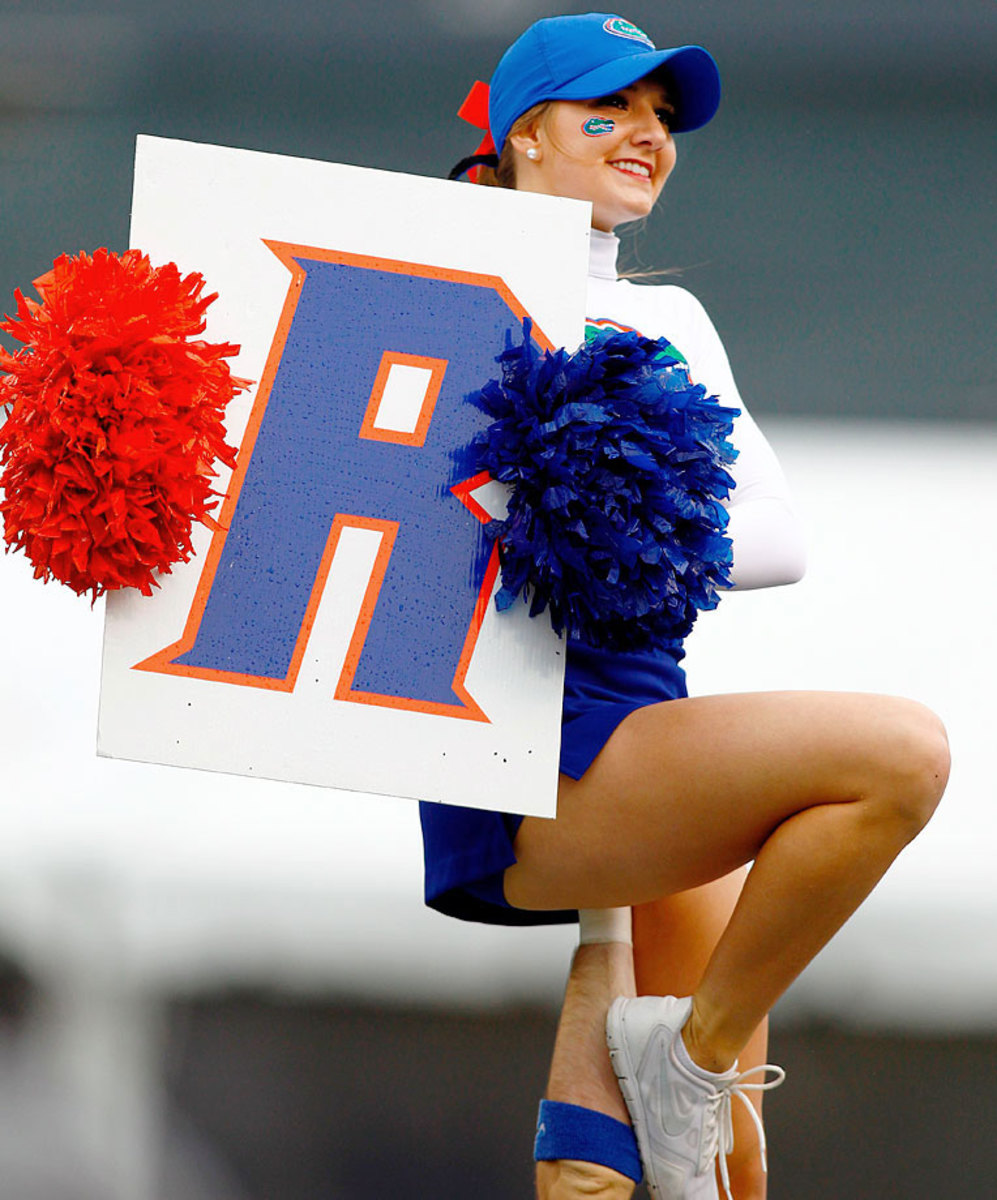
(682, 1121)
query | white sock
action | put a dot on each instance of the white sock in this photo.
(597, 925)
(685, 1059)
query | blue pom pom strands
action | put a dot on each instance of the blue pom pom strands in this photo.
(616, 462)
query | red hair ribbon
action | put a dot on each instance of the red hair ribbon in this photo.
(474, 111)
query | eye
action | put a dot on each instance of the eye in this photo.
(616, 100)
(665, 115)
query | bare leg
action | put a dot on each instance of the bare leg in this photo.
(822, 791)
(580, 1071)
(673, 940)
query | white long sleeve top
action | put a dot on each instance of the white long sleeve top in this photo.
(767, 536)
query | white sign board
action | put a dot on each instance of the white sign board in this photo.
(338, 629)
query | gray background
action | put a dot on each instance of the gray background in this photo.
(836, 218)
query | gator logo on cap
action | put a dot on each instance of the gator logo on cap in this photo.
(624, 29)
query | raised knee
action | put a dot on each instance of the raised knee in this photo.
(917, 764)
(568, 1179)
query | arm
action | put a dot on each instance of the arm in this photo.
(769, 547)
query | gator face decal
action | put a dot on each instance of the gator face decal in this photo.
(597, 126)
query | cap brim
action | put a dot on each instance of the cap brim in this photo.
(690, 72)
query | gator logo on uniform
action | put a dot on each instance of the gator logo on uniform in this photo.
(596, 126)
(625, 29)
(596, 325)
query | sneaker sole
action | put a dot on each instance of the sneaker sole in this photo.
(623, 1066)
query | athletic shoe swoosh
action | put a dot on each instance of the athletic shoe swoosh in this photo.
(673, 1103)
(678, 1109)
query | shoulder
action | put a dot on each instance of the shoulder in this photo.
(669, 298)
(647, 305)
(671, 311)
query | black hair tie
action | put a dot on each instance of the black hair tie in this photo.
(474, 160)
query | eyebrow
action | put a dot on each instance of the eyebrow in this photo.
(665, 102)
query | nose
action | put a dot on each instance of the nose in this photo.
(647, 128)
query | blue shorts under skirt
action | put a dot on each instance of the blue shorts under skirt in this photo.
(467, 850)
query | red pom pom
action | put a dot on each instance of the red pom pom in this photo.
(115, 421)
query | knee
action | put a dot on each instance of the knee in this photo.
(916, 764)
(571, 1179)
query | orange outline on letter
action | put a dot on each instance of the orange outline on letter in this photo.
(437, 368)
(163, 660)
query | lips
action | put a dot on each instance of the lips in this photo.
(632, 167)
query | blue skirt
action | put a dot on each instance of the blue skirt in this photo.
(467, 850)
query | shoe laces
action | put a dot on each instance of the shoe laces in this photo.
(719, 1124)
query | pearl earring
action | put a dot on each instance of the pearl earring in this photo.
(533, 153)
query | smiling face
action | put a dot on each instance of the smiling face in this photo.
(615, 151)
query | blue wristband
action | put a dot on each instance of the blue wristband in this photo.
(570, 1131)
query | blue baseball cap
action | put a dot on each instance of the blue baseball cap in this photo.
(588, 55)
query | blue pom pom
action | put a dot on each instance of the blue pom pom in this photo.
(616, 463)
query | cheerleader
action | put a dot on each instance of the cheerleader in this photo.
(664, 799)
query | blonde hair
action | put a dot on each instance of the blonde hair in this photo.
(504, 175)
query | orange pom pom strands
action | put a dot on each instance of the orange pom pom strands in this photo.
(115, 421)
